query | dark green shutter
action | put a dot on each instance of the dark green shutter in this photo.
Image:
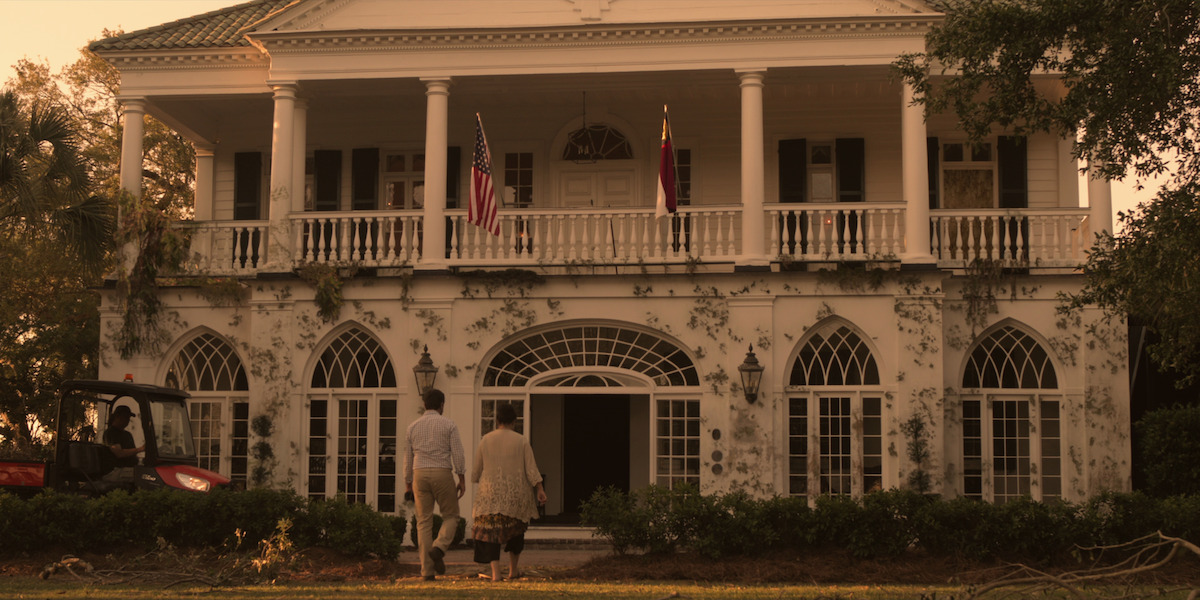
(453, 165)
(931, 149)
(327, 179)
(851, 169)
(793, 170)
(1011, 155)
(364, 179)
(247, 186)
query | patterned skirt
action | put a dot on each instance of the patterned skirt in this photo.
(497, 528)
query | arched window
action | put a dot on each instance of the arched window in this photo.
(219, 410)
(591, 346)
(352, 425)
(835, 379)
(1012, 385)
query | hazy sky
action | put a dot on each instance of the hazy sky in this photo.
(55, 30)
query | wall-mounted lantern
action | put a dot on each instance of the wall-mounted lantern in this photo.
(425, 372)
(751, 373)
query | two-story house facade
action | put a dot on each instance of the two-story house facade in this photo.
(897, 284)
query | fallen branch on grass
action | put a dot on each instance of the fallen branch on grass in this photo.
(1144, 554)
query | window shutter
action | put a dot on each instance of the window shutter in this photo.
(931, 149)
(364, 182)
(453, 165)
(247, 186)
(851, 164)
(793, 170)
(327, 179)
(1011, 154)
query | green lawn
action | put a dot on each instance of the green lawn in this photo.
(66, 589)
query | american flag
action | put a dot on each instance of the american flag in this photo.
(483, 209)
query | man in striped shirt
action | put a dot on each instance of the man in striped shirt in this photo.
(433, 455)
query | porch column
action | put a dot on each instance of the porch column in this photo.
(1099, 200)
(437, 115)
(203, 206)
(279, 254)
(754, 234)
(133, 109)
(914, 159)
(300, 147)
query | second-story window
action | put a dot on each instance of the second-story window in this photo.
(988, 174)
(404, 180)
(518, 179)
(822, 171)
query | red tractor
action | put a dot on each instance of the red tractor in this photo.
(84, 464)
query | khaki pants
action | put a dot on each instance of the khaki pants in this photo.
(430, 486)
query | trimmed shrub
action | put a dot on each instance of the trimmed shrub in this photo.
(459, 535)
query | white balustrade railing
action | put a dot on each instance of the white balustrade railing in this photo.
(801, 232)
(1015, 237)
(225, 247)
(603, 236)
(366, 238)
(834, 232)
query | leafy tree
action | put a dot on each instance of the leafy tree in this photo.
(1130, 87)
(1167, 444)
(54, 234)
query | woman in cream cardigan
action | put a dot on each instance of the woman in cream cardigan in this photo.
(506, 475)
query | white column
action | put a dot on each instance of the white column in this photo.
(437, 115)
(283, 152)
(300, 145)
(914, 158)
(203, 206)
(754, 235)
(1099, 200)
(134, 112)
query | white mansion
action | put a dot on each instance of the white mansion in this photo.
(897, 285)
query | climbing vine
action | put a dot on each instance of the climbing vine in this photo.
(160, 250)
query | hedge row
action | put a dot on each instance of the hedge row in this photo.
(215, 520)
(880, 524)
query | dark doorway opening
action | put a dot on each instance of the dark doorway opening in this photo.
(584, 442)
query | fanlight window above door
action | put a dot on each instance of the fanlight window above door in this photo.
(592, 143)
(590, 346)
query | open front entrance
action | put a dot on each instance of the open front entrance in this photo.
(584, 442)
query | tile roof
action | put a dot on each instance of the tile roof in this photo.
(224, 28)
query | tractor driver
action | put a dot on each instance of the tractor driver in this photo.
(120, 441)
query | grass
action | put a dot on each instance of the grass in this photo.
(71, 590)
(451, 588)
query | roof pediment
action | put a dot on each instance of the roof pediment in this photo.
(415, 15)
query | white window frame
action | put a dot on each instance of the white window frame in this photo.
(967, 164)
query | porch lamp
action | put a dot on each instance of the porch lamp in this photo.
(425, 372)
(751, 373)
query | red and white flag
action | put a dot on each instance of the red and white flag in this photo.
(483, 210)
(666, 172)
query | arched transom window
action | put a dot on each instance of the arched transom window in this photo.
(837, 357)
(354, 359)
(1011, 422)
(219, 409)
(834, 384)
(207, 363)
(1009, 358)
(591, 346)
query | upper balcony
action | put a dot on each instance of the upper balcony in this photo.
(1037, 239)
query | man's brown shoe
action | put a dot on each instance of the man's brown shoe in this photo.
(436, 554)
